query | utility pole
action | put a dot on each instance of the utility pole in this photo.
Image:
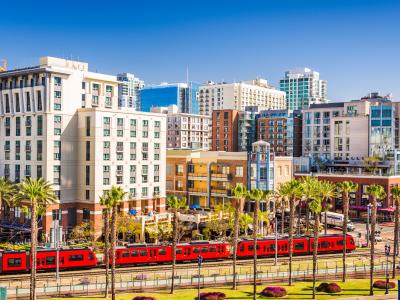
(199, 262)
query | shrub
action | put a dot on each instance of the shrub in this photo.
(330, 288)
(274, 291)
(212, 296)
(144, 298)
(381, 284)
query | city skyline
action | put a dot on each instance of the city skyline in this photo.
(219, 42)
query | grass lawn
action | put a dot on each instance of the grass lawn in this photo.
(301, 290)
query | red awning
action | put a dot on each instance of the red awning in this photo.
(364, 208)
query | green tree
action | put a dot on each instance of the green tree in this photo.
(37, 193)
(7, 192)
(291, 190)
(245, 221)
(395, 191)
(115, 196)
(328, 192)
(376, 192)
(345, 188)
(175, 204)
(308, 186)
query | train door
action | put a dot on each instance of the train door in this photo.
(153, 255)
(187, 252)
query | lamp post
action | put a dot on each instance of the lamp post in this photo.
(387, 253)
(199, 262)
(276, 235)
(368, 216)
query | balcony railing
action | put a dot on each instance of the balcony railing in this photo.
(221, 177)
(197, 175)
(197, 190)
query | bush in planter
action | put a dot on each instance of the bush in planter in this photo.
(381, 284)
(274, 291)
(212, 296)
(330, 288)
(144, 298)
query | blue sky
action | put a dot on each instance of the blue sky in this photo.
(354, 44)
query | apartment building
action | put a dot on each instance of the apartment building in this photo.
(247, 128)
(303, 87)
(282, 129)
(186, 131)
(129, 88)
(236, 96)
(61, 122)
(225, 130)
(205, 178)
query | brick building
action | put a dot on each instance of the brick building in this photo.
(225, 130)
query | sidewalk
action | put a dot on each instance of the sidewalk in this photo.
(378, 297)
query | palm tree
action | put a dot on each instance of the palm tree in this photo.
(395, 191)
(308, 186)
(292, 191)
(7, 191)
(345, 188)
(105, 201)
(175, 204)
(255, 195)
(328, 191)
(38, 193)
(376, 192)
(115, 196)
(312, 188)
(245, 221)
(239, 192)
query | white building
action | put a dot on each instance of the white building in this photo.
(129, 91)
(186, 131)
(58, 121)
(237, 96)
(303, 87)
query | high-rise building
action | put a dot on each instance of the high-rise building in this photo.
(236, 96)
(128, 91)
(184, 95)
(225, 130)
(186, 131)
(303, 87)
(247, 128)
(282, 129)
(61, 122)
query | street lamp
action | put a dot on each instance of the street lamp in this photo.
(199, 262)
(387, 253)
(276, 235)
(368, 216)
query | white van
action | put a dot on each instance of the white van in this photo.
(335, 220)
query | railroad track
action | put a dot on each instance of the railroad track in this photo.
(181, 266)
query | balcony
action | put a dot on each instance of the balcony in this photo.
(219, 192)
(221, 177)
(197, 176)
(7, 147)
(120, 172)
(198, 191)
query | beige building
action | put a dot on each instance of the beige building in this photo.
(62, 122)
(236, 96)
(283, 170)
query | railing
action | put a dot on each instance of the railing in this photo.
(197, 190)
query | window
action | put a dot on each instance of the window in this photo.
(57, 81)
(17, 106)
(86, 215)
(125, 254)
(299, 246)
(134, 253)
(57, 150)
(18, 126)
(144, 191)
(196, 250)
(76, 257)
(162, 252)
(239, 171)
(87, 124)
(40, 125)
(143, 252)
(156, 134)
(14, 262)
(17, 150)
(39, 100)
(57, 175)
(39, 147)
(28, 101)
(145, 134)
(50, 260)
(87, 175)
(87, 150)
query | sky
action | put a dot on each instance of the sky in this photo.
(354, 44)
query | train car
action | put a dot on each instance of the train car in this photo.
(301, 246)
(17, 262)
(208, 250)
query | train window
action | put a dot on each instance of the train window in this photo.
(178, 251)
(213, 249)
(125, 254)
(91, 257)
(77, 257)
(196, 250)
(134, 253)
(299, 246)
(162, 252)
(251, 247)
(241, 248)
(324, 244)
(340, 243)
(14, 262)
(351, 242)
(271, 247)
(50, 260)
(204, 250)
(143, 253)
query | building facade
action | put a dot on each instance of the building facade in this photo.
(236, 96)
(303, 87)
(225, 130)
(186, 131)
(282, 129)
(184, 95)
(62, 123)
(129, 88)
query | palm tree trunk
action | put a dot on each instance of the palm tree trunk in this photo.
(174, 241)
(34, 235)
(315, 250)
(107, 248)
(307, 220)
(235, 241)
(373, 223)
(113, 247)
(291, 223)
(299, 218)
(326, 222)
(255, 229)
(345, 220)
(396, 236)
(283, 221)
